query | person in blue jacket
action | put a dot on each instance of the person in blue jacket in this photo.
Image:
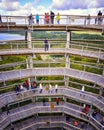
(37, 19)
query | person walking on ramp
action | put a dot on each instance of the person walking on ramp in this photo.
(46, 46)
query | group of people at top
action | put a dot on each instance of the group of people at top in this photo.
(98, 18)
(48, 18)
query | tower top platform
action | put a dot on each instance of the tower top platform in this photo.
(67, 23)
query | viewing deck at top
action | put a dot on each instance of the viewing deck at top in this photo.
(67, 23)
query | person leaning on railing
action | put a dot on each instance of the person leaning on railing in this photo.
(37, 19)
(46, 45)
(58, 18)
(94, 114)
(88, 19)
(52, 15)
(31, 19)
(99, 17)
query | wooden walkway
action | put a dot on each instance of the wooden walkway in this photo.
(31, 109)
(89, 98)
(69, 93)
(59, 121)
(25, 73)
(71, 51)
(67, 23)
(62, 27)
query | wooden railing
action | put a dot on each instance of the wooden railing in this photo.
(95, 52)
(52, 44)
(51, 120)
(65, 19)
(46, 109)
(70, 93)
(62, 71)
(48, 122)
(98, 69)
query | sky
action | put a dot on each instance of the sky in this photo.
(71, 7)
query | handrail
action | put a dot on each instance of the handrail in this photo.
(17, 43)
(59, 124)
(52, 62)
(61, 108)
(17, 46)
(68, 19)
(52, 42)
(89, 98)
(84, 41)
(6, 87)
(88, 44)
(24, 73)
(86, 47)
(98, 54)
(57, 60)
(52, 120)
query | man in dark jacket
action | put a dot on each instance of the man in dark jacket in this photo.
(52, 15)
(99, 17)
(46, 46)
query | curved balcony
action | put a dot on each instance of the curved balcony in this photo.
(89, 98)
(67, 22)
(51, 122)
(38, 48)
(32, 109)
(25, 73)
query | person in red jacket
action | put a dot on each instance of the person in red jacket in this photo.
(86, 109)
(57, 100)
(27, 84)
(75, 123)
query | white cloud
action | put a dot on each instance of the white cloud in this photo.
(9, 5)
(71, 7)
(77, 4)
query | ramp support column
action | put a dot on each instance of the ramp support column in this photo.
(68, 39)
(28, 38)
(66, 78)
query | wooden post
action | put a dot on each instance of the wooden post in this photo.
(100, 91)
(68, 39)
(29, 39)
(67, 61)
(29, 60)
(26, 36)
(27, 64)
(103, 71)
(66, 78)
(67, 47)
